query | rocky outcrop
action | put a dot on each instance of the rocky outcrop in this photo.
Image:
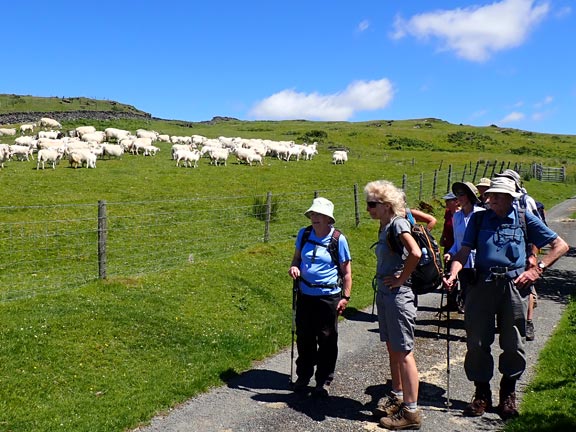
(29, 117)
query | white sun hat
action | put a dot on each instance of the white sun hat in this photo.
(322, 206)
(503, 185)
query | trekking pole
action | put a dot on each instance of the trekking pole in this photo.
(448, 403)
(374, 288)
(439, 314)
(295, 287)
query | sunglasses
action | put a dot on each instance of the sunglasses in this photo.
(372, 204)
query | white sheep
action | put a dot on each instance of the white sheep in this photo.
(49, 155)
(81, 130)
(79, 157)
(49, 122)
(21, 152)
(339, 157)
(7, 131)
(4, 154)
(97, 136)
(115, 133)
(190, 157)
(27, 127)
(143, 133)
(218, 155)
(110, 150)
(151, 150)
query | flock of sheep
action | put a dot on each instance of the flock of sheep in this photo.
(83, 145)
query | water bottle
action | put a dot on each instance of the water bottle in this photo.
(425, 258)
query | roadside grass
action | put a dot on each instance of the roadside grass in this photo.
(549, 403)
(110, 354)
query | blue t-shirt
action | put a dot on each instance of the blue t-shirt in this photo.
(317, 266)
(500, 241)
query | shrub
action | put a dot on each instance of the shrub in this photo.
(259, 208)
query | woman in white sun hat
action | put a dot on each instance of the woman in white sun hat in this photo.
(321, 263)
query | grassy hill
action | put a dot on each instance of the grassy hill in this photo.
(11, 103)
(108, 354)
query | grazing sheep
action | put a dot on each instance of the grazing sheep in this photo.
(190, 157)
(7, 131)
(21, 152)
(110, 150)
(151, 150)
(4, 154)
(27, 127)
(49, 155)
(339, 157)
(218, 155)
(51, 123)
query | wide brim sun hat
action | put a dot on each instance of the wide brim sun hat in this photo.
(449, 196)
(469, 189)
(484, 181)
(503, 185)
(322, 206)
(512, 175)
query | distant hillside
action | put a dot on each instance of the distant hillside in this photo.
(20, 109)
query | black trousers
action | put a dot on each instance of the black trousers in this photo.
(317, 337)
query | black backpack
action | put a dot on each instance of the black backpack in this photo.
(332, 246)
(427, 276)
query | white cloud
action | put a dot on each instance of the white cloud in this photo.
(475, 33)
(363, 26)
(546, 101)
(513, 117)
(341, 106)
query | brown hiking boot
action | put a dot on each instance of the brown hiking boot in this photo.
(387, 406)
(481, 403)
(507, 407)
(402, 419)
(530, 336)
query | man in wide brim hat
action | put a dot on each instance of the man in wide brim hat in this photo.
(503, 185)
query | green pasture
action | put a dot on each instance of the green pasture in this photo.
(108, 355)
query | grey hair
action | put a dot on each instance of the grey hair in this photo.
(385, 192)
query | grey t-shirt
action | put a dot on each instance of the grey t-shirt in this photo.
(388, 261)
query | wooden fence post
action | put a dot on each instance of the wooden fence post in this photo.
(404, 182)
(421, 185)
(434, 183)
(475, 172)
(102, 238)
(356, 207)
(449, 181)
(268, 217)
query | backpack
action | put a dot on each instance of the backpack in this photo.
(541, 212)
(427, 276)
(332, 246)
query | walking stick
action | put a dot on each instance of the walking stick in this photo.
(448, 403)
(295, 288)
(375, 289)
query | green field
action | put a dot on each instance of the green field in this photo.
(108, 354)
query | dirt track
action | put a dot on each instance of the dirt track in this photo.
(259, 400)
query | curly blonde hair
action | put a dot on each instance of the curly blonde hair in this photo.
(385, 192)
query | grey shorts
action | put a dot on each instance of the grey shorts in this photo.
(397, 318)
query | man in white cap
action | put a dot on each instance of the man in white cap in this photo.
(324, 272)
(501, 290)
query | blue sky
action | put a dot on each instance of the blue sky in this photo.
(506, 62)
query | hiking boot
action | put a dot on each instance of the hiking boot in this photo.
(507, 407)
(481, 403)
(387, 406)
(402, 419)
(530, 336)
(321, 390)
(301, 386)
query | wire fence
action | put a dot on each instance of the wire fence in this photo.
(50, 249)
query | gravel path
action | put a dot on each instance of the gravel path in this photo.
(259, 400)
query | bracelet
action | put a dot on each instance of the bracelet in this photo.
(347, 298)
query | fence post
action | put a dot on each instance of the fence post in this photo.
(563, 173)
(102, 238)
(268, 217)
(493, 168)
(356, 208)
(434, 183)
(475, 172)
(464, 173)
(421, 185)
(449, 180)
(404, 182)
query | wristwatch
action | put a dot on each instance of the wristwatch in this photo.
(541, 266)
(347, 298)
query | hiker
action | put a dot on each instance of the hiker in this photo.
(324, 292)
(482, 187)
(467, 196)
(527, 203)
(396, 308)
(501, 290)
(452, 206)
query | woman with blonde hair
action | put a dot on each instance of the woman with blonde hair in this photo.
(395, 301)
